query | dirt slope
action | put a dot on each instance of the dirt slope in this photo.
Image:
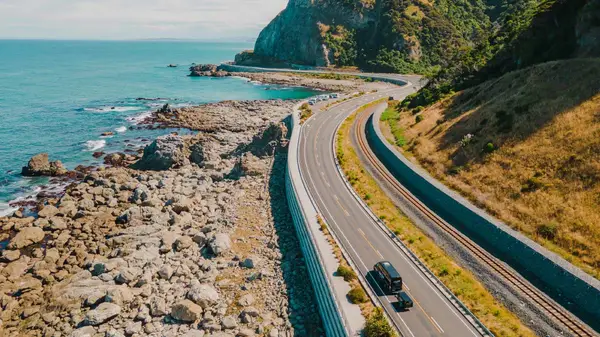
(526, 147)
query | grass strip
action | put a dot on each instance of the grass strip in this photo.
(496, 317)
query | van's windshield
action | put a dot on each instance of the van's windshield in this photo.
(397, 285)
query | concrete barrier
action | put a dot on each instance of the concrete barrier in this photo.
(320, 261)
(569, 286)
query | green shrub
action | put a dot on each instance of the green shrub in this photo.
(357, 295)
(548, 231)
(489, 148)
(346, 272)
(419, 119)
(454, 170)
(532, 184)
(378, 326)
(418, 109)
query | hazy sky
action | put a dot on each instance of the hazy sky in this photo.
(132, 19)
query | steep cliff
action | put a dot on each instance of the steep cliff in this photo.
(298, 33)
(380, 35)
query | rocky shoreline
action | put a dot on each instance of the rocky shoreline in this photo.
(196, 240)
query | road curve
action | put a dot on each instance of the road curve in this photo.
(359, 234)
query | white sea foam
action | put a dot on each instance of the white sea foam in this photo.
(112, 109)
(95, 145)
(6, 209)
(137, 119)
(121, 129)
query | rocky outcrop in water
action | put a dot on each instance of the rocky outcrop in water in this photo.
(210, 70)
(39, 165)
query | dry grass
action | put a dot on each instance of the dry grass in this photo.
(461, 282)
(305, 113)
(534, 157)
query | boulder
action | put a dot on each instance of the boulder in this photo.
(183, 242)
(103, 313)
(246, 333)
(229, 322)
(186, 311)
(211, 70)
(48, 211)
(128, 275)
(220, 244)
(197, 154)
(158, 307)
(204, 295)
(11, 255)
(27, 236)
(39, 165)
(115, 159)
(86, 331)
(165, 272)
(246, 300)
(252, 165)
(165, 152)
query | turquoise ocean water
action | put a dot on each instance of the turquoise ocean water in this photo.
(59, 96)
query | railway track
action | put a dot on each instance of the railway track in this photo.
(536, 296)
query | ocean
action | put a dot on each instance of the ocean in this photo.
(60, 96)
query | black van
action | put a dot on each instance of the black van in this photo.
(389, 276)
(404, 300)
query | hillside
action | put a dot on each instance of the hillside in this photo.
(526, 147)
(409, 36)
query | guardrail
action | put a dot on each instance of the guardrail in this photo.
(457, 303)
(304, 216)
(572, 288)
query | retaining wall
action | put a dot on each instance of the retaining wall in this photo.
(314, 248)
(572, 288)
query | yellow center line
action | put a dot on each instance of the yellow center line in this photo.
(369, 242)
(433, 322)
(339, 203)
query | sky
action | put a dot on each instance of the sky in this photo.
(225, 20)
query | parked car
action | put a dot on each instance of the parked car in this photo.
(334, 95)
(404, 300)
(389, 277)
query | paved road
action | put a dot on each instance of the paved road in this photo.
(367, 244)
(393, 77)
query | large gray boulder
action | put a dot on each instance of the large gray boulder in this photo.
(165, 152)
(197, 154)
(39, 165)
(204, 295)
(220, 244)
(103, 313)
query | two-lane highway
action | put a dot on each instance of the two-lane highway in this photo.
(359, 234)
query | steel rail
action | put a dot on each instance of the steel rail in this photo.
(535, 295)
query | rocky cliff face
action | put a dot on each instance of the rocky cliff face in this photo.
(296, 35)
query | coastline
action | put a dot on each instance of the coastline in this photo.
(204, 244)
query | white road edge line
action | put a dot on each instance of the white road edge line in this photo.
(348, 241)
(427, 281)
